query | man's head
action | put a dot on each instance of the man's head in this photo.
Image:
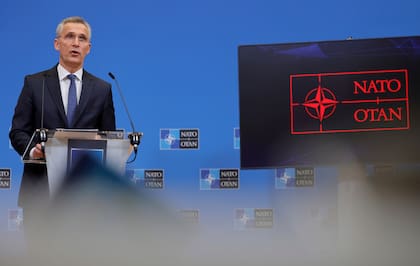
(73, 42)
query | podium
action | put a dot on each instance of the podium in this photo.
(64, 147)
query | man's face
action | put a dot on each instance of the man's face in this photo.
(73, 45)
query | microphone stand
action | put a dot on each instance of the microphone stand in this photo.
(43, 131)
(133, 136)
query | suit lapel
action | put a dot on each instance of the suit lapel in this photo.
(53, 85)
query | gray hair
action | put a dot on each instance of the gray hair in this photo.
(74, 19)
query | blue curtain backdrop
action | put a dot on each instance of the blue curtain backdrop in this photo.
(176, 62)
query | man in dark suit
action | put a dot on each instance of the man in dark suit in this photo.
(94, 108)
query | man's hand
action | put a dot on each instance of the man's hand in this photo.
(37, 152)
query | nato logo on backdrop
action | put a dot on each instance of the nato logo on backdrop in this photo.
(190, 216)
(15, 219)
(5, 176)
(253, 218)
(217, 178)
(179, 139)
(294, 177)
(146, 178)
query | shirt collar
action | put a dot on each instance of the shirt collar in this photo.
(63, 73)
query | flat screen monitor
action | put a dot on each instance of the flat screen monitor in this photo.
(330, 102)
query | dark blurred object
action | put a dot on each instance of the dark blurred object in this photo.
(98, 218)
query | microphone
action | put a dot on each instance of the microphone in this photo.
(42, 131)
(134, 136)
(40, 134)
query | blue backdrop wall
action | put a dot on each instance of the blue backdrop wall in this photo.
(176, 62)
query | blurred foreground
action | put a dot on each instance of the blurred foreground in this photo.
(100, 219)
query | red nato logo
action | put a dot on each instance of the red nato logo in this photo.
(358, 101)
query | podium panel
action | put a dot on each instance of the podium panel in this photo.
(64, 147)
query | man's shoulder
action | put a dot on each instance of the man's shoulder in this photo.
(95, 79)
(43, 73)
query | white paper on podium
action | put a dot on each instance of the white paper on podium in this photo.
(69, 133)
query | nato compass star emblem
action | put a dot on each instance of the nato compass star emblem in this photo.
(170, 139)
(210, 179)
(244, 218)
(320, 103)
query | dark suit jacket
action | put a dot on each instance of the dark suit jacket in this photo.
(94, 111)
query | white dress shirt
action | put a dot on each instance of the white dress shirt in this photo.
(65, 84)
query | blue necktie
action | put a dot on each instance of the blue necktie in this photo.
(72, 100)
